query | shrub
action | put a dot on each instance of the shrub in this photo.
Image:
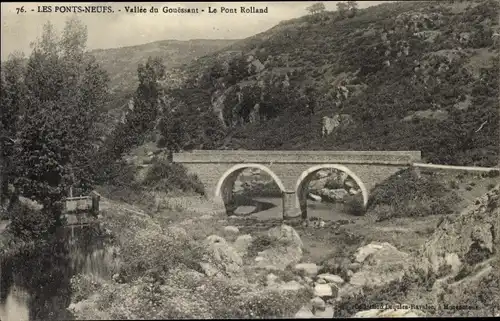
(406, 195)
(494, 173)
(29, 224)
(267, 304)
(171, 176)
(354, 205)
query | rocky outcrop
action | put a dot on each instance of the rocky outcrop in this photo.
(337, 122)
(472, 238)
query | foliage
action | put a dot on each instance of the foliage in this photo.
(405, 194)
(141, 118)
(354, 205)
(52, 101)
(29, 224)
(316, 8)
(268, 304)
(423, 74)
(166, 176)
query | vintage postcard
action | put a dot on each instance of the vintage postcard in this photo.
(305, 159)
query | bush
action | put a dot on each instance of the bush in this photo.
(407, 195)
(30, 224)
(266, 304)
(354, 205)
(171, 176)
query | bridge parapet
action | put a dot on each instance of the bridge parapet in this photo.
(299, 157)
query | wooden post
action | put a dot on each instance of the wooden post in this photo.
(95, 202)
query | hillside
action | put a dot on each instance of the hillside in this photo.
(406, 75)
(121, 65)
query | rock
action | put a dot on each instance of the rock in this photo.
(367, 313)
(150, 154)
(329, 312)
(220, 257)
(314, 197)
(242, 243)
(363, 252)
(286, 235)
(307, 269)
(291, 286)
(271, 279)
(278, 258)
(321, 281)
(331, 278)
(206, 217)
(286, 249)
(323, 290)
(308, 280)
(468, 239)
(231, 229)
(349, 290)
(383, 264)
(244, 210)
(355, 266)
(317, 303)
(333, 195)
(304, 313)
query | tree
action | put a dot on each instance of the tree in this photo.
(352, 5)
(342, 8)
(316, 8)
(64, 91)
(11, 106)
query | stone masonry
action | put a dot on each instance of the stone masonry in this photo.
(291, 170)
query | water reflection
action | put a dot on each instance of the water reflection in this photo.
(36, 283)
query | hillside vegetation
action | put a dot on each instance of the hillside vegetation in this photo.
(398, 76)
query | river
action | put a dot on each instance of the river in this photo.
(35, 285)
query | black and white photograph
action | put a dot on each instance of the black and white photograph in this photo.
(249, 160)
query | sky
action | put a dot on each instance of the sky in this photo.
(120, 29)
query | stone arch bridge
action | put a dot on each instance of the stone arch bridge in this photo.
(291, 170)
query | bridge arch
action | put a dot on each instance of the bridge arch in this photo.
(223, 189)
(306, 176)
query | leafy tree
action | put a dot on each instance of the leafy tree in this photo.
(342, 8)
(11, 106)
(352, 6)
(64, 91)
(316, 8)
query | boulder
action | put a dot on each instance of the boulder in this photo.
(304, 313)
(285, 235)
(220, 257)
(242, 243)
(317, 303)
(383, 263)
(328, 313)
(331, 278)
(333, 195)
(313, 197)
(244, 210)
(323, 290)
(231, 230)
(285, 249)
(307, 269)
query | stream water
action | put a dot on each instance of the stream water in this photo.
(35, 284)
